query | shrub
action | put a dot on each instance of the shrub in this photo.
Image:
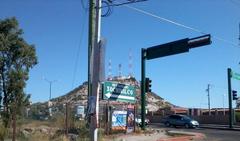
(237, 116)
(3, 132)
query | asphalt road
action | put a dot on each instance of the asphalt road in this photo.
(211, 134)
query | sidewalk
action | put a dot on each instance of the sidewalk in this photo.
(184, 136)
(138, 136)
(159, 135)
(220, 127)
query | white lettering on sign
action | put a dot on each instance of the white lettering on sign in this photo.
(123, 90)
(110, 89)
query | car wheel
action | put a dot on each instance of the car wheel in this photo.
(186, 125)
(167, 124)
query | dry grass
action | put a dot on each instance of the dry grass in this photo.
(3, 132)
(39, 137)
(36, 123)
(53, 130)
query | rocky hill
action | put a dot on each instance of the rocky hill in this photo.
(78, 96)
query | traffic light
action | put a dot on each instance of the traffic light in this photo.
(234, 94)
(148, 84)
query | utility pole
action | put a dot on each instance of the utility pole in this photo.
(208, 91)
(90, 41)
(66, 119)
(94, 62)
(93, 66)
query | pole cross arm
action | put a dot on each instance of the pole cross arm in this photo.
(176, 47)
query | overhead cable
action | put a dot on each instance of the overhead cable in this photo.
(179, 24)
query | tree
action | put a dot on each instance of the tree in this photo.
(17, 57)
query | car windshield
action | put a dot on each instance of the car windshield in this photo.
(186, 118)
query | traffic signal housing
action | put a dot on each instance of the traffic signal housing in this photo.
(234, 94)
(148, 84)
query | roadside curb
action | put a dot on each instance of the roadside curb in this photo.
(220, 128)
(186, 136)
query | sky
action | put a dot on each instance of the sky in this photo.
(59, 31)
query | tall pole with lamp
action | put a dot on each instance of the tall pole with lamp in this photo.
(50, 94)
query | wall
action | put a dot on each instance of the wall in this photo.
(206, 119)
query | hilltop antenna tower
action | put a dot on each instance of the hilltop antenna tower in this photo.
(110, 69)
(130, 63)
(120, 70)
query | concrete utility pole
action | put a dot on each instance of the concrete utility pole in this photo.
(94, 66)
(208, 91)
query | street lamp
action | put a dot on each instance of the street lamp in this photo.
(50, 94)
(50, 88)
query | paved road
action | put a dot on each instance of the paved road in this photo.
(211, 134)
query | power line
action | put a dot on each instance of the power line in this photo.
(109, 4)
(109, 9)
(117, 3)
(83, 6)
(239, 34)
(235, 2)
(179, 24)
(78, 50)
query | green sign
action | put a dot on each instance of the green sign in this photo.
(235, 75)
(119, 92)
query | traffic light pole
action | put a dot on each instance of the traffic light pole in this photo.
(163, 50)
(230, 98)
(143, 88)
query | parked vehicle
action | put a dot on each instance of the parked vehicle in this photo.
(138, 121)
(180, 120)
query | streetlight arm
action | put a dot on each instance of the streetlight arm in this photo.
(50, 86)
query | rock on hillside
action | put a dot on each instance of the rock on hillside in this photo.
(78, 96)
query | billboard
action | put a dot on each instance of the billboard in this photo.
(119, 120)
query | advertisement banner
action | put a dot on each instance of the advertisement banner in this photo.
(130, 119)
(80, 111)
(119, 120)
